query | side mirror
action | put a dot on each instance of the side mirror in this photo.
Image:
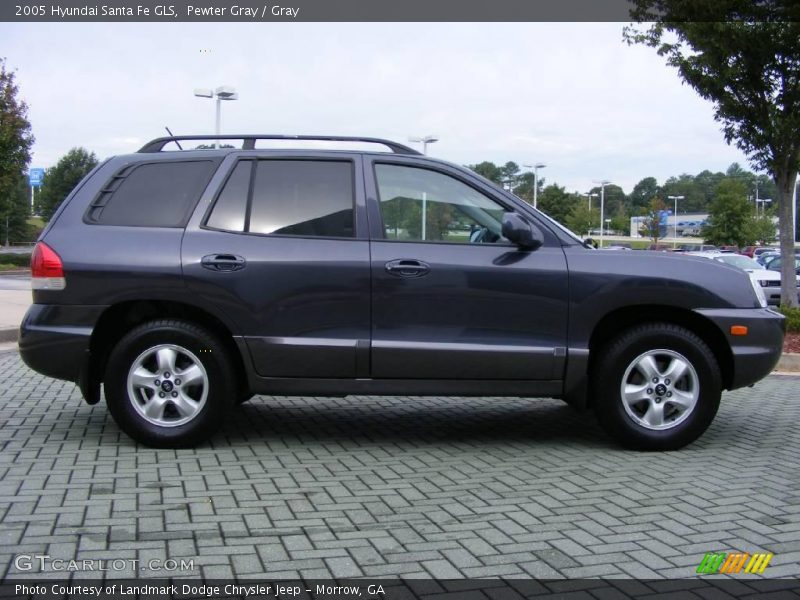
(590, 243)
(521, 232)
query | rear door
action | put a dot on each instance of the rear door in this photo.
(452, 299)
(282, 250)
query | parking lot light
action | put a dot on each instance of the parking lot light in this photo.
(223, 92)
(535, 168)
(675, 220)
(424, 140)
(603, 183)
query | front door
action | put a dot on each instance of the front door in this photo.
(451, 298)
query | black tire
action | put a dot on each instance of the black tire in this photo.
(218, 383)
(622, 352)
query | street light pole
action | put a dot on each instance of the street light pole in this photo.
(756, 197)
(603, 183)
(675, 219)
(535, 168)
(223, 92)
(794, 212)
(424, 140)
(218, 121)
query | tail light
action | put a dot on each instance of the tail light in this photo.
(47, 270)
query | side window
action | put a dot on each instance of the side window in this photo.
(303, 197)
(231, 205)
(152, 195)
(423, 205)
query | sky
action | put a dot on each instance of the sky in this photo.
(573, 96)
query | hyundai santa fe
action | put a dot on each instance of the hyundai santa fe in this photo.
(183, 282)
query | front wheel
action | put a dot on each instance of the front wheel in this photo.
(656, 387)
(169, 383)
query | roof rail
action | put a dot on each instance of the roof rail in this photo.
(249, 141)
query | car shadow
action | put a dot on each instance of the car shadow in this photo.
(415, 420)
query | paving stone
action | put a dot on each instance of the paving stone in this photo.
(398, 487)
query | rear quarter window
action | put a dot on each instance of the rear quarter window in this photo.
(161, 194)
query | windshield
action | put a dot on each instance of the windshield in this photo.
(775, 264)
(742, 262)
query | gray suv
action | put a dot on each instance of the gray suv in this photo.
(186, 281)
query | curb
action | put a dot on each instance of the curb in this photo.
(16, 272)
(789, 362)
(9, 334)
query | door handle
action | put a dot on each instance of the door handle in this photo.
(404, 267)
(223, 262)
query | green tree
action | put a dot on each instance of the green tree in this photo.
(651, 226)
(730, 216)
(213, 147)
(61, 179)
(621, 223)
(706, 183)
(524, 187)
(745, 58)
(15, 226)
(762, 230)
(685, 185)
(16, 141)
(615, 199)
(510, 174)
(642, 192)
(489, 170)
(581, 219)
(557, 203)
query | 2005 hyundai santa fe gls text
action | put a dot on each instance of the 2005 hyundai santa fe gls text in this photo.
(185, 282)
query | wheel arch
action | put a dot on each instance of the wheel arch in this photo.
(624, 318)
(120, 318)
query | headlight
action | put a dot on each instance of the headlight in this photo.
(762, 299)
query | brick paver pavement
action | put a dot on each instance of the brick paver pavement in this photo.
(414, 487)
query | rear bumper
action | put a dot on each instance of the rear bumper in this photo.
(54, 339)
(755, 354)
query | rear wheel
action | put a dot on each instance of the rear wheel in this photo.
(169, 383)
(657, 387)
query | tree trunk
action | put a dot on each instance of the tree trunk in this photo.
(786, 182)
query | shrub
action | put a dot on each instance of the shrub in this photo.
(18, 260)
(792, 318)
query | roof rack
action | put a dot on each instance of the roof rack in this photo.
(249, 141)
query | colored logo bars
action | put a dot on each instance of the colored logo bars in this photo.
(733, 562)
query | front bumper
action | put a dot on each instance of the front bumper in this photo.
(773, 295)
(757, 353)
(54, 339)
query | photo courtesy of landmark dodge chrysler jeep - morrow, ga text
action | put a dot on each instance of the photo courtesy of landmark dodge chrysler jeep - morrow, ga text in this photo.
(183, 282)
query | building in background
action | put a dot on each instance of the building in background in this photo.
(688, 225)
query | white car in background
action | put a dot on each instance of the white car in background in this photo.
(770, 281)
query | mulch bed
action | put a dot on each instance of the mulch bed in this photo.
(791, 342)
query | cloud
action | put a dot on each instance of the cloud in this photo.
(571, 95)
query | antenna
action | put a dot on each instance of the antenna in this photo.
(173, 135)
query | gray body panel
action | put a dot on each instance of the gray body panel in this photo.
(323, 316)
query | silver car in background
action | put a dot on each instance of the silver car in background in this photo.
(770, 281)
